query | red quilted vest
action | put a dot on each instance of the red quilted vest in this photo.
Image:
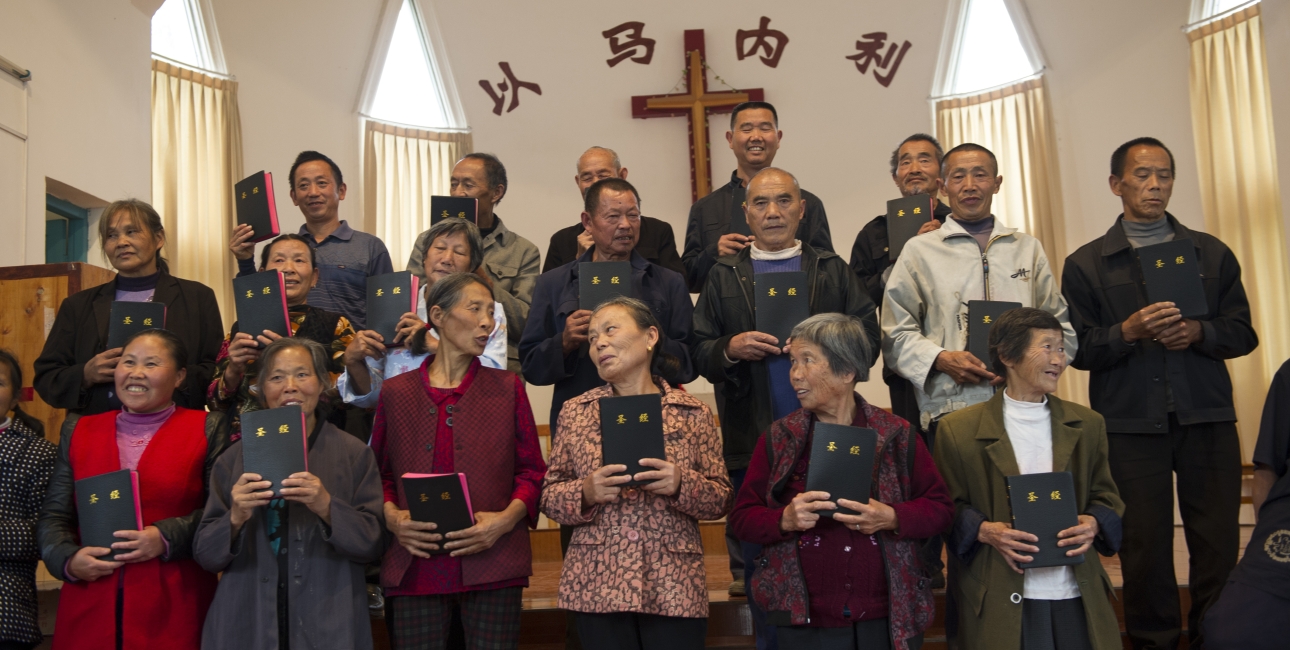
(484, 436)
(164, 602)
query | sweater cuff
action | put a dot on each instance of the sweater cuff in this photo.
(1115, 341)
(962, 538)
(1110, 529)
(245, 267)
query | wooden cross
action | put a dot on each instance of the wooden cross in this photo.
(696, 103)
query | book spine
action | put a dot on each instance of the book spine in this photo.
(304, 438)
(465, 490)
(286, 312)
(273, 206)
(138, 507)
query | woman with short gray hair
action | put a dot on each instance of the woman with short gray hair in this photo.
(850, 581)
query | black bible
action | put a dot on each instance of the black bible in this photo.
(904, 217)
(1171, 273)
(842, 464)
(105, 504)
(631, 428)
(274, 444)
(129, 318)
(600, 281)
(443, 499)
(981, 317)
(448, 207)
(389, 297)
(782, 301)
(1044, 505)
(255, 206)
(261, 301)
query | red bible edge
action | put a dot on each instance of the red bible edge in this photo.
(286, 311)
(274, 230)
(138, 507)
(304, 432)
(465, 489)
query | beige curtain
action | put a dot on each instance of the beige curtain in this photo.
(196, 159)
(402, 169)
(1016, 123)
(1236, 155)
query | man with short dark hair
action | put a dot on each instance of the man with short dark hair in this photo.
(346, 257)
(657, 243)
(510, 261)
(754, 137)
(1161, 383)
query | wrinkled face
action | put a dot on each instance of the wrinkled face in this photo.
(917, 170)
(755, 138)
(1041, 366)
(815, 384)
(9, 391)
(619, 347)
(147, 376)
(616, 225)
(314, 190)
(971, 181)
(595, 165)
(1147, 184)
(131, 248)
(447, 254)
(298, 274)
(773, 208)
(470, 179)
(467, 324)
(291, 380)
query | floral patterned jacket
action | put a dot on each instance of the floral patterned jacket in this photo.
(641, 553)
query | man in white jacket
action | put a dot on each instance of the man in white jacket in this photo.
(972, 257)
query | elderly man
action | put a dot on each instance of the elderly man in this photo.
(1162, 384)
(751, 366)
(510, 261)
(657, 244)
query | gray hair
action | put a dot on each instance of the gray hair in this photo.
(841, 338)
(613, 154)
(317, 353)
(453, 226)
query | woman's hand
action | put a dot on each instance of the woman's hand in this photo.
(143, 544)
(306, 489)
(408, 326)
(250, 492)
(874, 516)
(599, 487)
(415, 536)
(800, 513)
(664, 479)
(87, 566)
(1009, 542)
(241, 247)
(1081, 536)
(101, 368)
(243, 349)
(489, 527)
(365, 344)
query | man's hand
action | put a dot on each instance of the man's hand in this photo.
(874, 516)
(752, 346)
(1080, 536)
(250, 492)
(143, 544)
(415, 536)
(800, 513)
(365, 343)
(575, 330)
(489, 527)
(241, 248)
(664, 479)
(584, 242)
(101, 369)
(732, 243)
(1010, 543)
(934, 224)
(307, 489)
(408, 326)
(599, 487)
(1149, 322)
(87, 566)
(964, 368)
(1182, 335)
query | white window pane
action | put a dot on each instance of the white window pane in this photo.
(407, 92)
(173, 34)
(1219, 6)
(990, 51)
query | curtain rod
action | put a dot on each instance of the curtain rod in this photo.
(1190, 27)
(14, 69)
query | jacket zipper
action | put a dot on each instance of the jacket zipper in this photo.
(985, 266)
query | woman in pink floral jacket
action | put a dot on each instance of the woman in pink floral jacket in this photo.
(634, 573)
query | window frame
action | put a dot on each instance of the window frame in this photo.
(952, 41)
(436, 60)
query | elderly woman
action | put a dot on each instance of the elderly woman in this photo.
(852, 581)
(151, 589)
(452, 415)
(1024, 429)
(293, 566)
(454, 247)
(634, 573)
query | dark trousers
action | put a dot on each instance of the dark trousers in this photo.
(1054, 625)
(865, 635)
(765, 634)
(490, 618)
(628, 631)
(1247, 618)
(1207, 461)
(733, 547)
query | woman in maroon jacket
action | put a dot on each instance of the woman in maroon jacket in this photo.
(852, 581)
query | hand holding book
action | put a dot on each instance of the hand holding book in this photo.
(308, 490)
(1012, 543)
(873, 516)
(140, 545)
(602, 486)
(417, 537)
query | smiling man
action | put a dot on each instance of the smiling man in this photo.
(1161, 383)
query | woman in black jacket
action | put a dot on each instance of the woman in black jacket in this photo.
(75, 369)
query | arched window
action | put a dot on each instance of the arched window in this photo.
(408, 83)
(1202, 10)
(184, 32)
(987, 44)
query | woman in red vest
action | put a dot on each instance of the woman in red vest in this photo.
(453, 415)
(153, 592)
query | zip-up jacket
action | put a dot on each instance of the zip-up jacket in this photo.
(924, 311)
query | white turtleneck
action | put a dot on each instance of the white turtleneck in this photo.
(792, 251)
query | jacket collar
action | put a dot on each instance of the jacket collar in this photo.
(1116, 241)
(500, 232)
(1066, 435)
(167, 292)
(953, 229)
(342, 232)
(809, 256)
